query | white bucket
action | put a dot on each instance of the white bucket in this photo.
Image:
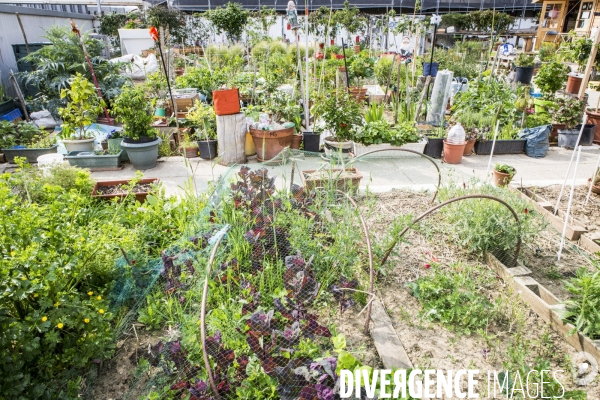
(47, 161)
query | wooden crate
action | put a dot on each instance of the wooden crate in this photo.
(330, 180)
(185, 101)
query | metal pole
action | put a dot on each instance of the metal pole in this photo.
(306, 87)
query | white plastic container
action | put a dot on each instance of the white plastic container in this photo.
(456, 135)
(47, 161)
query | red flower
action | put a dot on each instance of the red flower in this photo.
(357, 39)
(427, 266)
(526, 211)
(289, 26)
(154, 33)
(320, 56)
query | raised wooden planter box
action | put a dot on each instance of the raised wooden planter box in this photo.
(544, 304)
(331, 179)
(141, 197)
(574, 229)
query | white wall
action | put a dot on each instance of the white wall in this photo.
(34, 25)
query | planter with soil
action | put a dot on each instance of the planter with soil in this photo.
(434, 147)
(95, 162)
(107, 190)
(453, 152)
(523, 75)
(573, 84)
(554, 132)
(513, 146)
(502, 179)
(269, 144)
(593, 117)
(296, 141)
(30, 154)
(419, 147)
(207, 148)
(342, 179)
(567, 138)
(469, 147)
(337, 148)
(312, 142)
(143, 153)
(190, 152)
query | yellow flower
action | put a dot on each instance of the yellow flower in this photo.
(23, 278)
(87, 320)
(99, 297)
(101, 311)
(56, 304)
(35, 295)
(60, 325)
(44, 319)
(90, 293)
(12, 253)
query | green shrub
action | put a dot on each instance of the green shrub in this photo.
(57, 266)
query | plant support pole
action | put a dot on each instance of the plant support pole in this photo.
(487, 171)
(564, 231)
(89, 63)
(562, 189)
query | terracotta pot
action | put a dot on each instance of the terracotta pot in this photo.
(190, 152)
(179, 71)
(469, 147)
(573, 84)
(594, 118)
(358, 93)
(296, 140)
(357, 48)
(453, 152)
(269, 144)
(226, 102)
(501, 179)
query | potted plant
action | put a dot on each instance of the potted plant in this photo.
(82, 109)
(435, 143)
(345, 179)
(113, 140)
(297, 136)
(25, 140)
(578, 51)
(123, 188)
(476, 125)
(133, 110)
(569, 111)
(593, 114)
(503, 174)
(341, 117)
(361, 67)
(202, 117)
(549, 79)
(524, 68)
(99, 160)
(188, 147)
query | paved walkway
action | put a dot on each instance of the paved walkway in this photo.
(379, 174)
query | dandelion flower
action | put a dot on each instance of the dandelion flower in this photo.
(12, 253)
(44, 319)
(90, 293)
(86, 320)
(56, 304)
(82, 239)
(60, 325)
(101, 311)
(99, 297)
(23, 278)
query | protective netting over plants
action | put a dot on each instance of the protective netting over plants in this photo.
(270, 297)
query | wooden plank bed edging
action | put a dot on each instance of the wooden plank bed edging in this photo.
(544, 304)
(545, 208)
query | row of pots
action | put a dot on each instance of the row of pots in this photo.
(524, 76)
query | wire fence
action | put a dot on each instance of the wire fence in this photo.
(247, 307)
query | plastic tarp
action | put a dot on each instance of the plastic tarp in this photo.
(537, 140)
(138, 67)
